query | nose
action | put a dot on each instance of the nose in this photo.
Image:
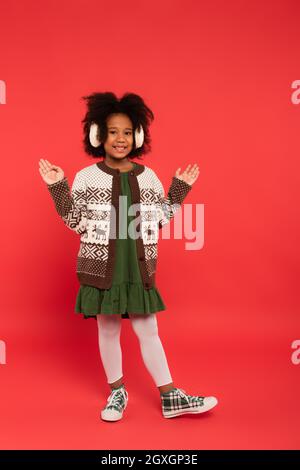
(120, 138)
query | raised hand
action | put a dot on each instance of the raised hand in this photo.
(189, 175)
(50, 173)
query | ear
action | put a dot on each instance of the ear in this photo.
(93, 135)
(139, 137)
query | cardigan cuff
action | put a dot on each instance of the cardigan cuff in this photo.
(60, 182)
(178, 190)
(60, 193)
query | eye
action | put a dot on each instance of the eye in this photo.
(113, 132)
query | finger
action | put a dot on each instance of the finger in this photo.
(194, 167)
(51, 165)
(194, 171)
(44, 165)
(42, 172)
(191, 170)
(187, 168)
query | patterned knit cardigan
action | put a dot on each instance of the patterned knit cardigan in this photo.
(91, 209)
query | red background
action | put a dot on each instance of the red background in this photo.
(218, 78)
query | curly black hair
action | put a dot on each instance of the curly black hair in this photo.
(101, 105)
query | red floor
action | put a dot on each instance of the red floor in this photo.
(51, 394)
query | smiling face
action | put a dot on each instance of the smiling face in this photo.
(119, 140)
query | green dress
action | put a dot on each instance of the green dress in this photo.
(127, 293)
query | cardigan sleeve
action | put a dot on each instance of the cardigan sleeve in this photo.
(71, 205)
(170, 204)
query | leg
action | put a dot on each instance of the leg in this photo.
(175, 401)
(109, 329)
(146, 329)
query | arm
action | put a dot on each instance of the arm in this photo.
(71, 205)
(168, 206)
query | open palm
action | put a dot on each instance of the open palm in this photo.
(189, 175)
(50, 173)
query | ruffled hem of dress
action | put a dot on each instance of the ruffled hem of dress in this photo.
(119, 299)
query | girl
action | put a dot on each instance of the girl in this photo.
(117, 258)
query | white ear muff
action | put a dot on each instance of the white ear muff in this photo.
(95, 142)
(139, 137)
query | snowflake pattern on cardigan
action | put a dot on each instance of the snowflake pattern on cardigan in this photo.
(91, 209)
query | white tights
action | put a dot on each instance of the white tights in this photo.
(146, 329)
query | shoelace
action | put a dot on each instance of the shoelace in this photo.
(182, 392)
(191, 398)
(116, 399)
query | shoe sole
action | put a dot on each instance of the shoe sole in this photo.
(203, 409)
(117, 418)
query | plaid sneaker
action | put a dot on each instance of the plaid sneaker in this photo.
(116, 404)
(177, 402)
